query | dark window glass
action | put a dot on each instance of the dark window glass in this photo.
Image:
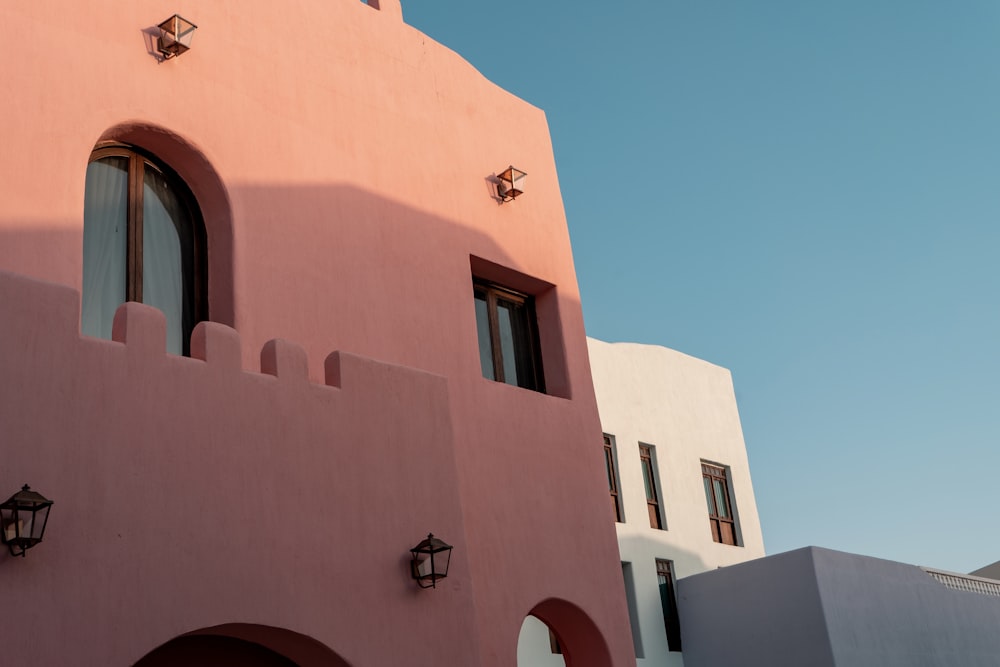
(508, 337)
(143, 240)
(668, 600)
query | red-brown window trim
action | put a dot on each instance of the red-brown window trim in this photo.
(722, 524)
(652, 492)
(611, 466)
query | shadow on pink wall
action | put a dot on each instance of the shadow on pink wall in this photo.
(331, 267)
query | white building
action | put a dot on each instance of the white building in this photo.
(672, 437)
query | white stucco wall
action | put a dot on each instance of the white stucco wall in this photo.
(686, 409)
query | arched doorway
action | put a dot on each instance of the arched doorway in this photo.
(213, 651)
(243, 644)
(557, 633)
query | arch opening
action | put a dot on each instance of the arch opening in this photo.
(557, 633)
(244, 644)
(538, 645)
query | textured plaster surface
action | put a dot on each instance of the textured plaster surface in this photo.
(343, 162)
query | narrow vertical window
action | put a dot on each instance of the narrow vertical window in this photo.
(143, 240)
(612, 469)
(633, 609)
(649, 480)
(554, 647)
(508, 337)
(668, 600)
(720, 509)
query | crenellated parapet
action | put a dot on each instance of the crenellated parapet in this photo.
(35, 312)
(142, 329)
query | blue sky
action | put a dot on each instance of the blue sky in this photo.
(807, 193)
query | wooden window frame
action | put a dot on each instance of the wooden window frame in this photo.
(723, 528)
(534, 380)
(671, 617)
(611, 466)
(653, 507)
(137, 161)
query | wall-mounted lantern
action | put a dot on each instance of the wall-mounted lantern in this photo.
(511, 184)
(430, 561)
(22, 520)
(175, 38)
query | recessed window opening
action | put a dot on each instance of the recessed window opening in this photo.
(143, 240)
(554, 647)
(647, 459)
(668, 601)
(720, 509)
(633, 609)
(611, 465)
(508, 336)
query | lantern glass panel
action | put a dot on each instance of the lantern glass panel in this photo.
(184, 32)
(13, 527)
(519, 179)
(423, 566)
(442, 560)
(36, 526)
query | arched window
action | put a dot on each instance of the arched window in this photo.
(143, 240)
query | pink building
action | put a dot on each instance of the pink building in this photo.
(344, 342)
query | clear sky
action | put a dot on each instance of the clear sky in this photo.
(807, 193)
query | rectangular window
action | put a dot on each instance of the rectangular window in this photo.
(668, 600)
(649, 480)
(720, 510)
(508, 336)
(633, 609)
(612, 468)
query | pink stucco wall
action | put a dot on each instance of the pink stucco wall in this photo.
(342, 161)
